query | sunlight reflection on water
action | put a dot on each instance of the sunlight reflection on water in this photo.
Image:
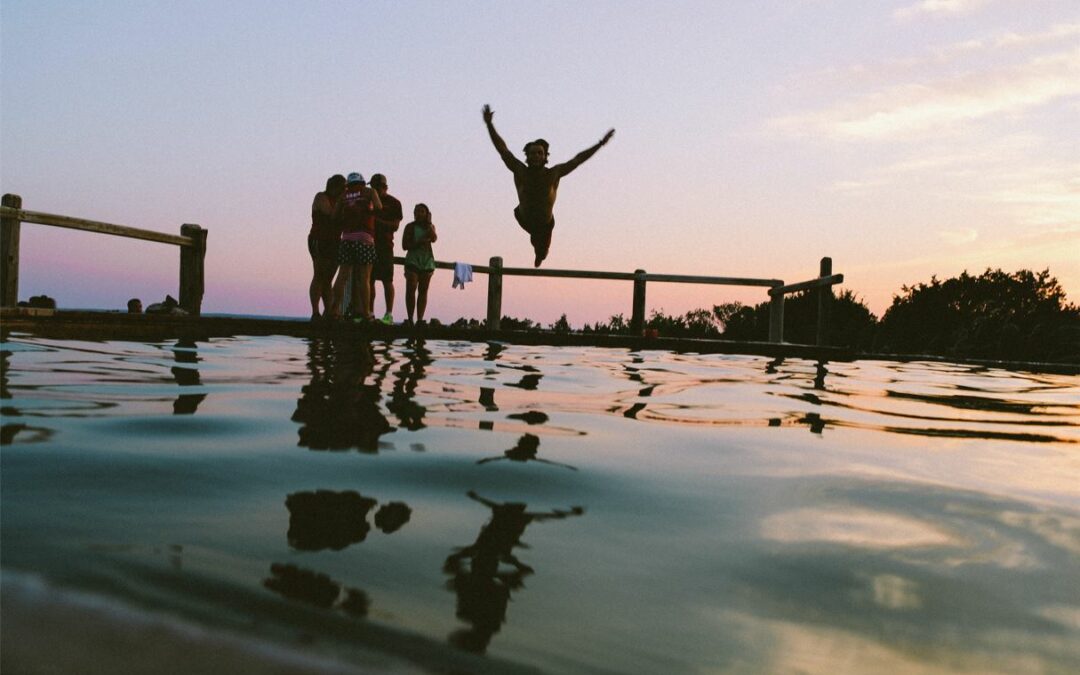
(644, 511)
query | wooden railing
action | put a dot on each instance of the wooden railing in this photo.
(777, 290)
(191, 240)
(192, 243)
(823, 284)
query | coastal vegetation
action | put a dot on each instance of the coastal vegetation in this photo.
(1022, 315)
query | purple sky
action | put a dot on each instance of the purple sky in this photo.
(903, 139)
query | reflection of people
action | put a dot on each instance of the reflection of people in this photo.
(525, 451)
(403, 403)
(419, 261)
(483, 591)
(316, 589)
(537, 184)
(338, 410)
(356, 254)
(392, 517)
(324, 519)
(323, 242)
(387, 220)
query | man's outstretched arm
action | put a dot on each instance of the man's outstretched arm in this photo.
(508, 158)
(580, 158)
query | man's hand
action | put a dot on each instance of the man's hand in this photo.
(488, 114)
(607, 137)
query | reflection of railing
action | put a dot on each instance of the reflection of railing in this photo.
(191, 240)
(777, 290)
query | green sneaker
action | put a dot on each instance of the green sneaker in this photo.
(388, 319)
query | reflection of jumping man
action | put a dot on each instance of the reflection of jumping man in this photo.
(537, 184)
(525, 451)
(483, 590)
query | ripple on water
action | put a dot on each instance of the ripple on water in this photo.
(579, 510)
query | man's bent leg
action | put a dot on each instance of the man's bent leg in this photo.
(540, 238)
(539, 235)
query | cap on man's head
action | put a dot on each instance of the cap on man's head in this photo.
(355, 178)
(378, 179)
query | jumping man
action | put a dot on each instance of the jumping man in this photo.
(537, 184)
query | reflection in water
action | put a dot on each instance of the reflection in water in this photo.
(392, 517)
(487, 399)
(966, 402)
(529, 382)
(403, 403)
(819, 377)
(8, 431)
(633, 411)
(325, 519)
(917, 528)
(531, 417)
(5, 364)
(333, 520)
(814, 421)
(30, 434)
(338, 409)
(184, 352)
(922, 566)
(483, 591)
(316, 589)
(493, 350)
(525, 451)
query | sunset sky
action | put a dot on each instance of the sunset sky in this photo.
(902, 138)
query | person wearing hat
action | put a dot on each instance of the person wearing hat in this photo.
(356, 254)
(537, 184)
(387, 221)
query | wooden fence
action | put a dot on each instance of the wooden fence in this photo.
(191, 240)
(777, 290)
(192, 243)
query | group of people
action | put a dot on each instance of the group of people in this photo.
(353, 226)
(351, 243)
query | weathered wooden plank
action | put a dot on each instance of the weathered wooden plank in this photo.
(776, 318)
(9, 251)
(824, 301)
(94, 226)
(637, 314)
(725, 281)
(807, 285)
(494, 302)
(566, 274)
(192, 269)
(613, 276)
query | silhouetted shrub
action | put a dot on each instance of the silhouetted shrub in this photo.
(1021, 315)
(849, 324)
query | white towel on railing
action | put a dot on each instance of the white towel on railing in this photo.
(462, 275)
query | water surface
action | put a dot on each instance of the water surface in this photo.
(484, 507)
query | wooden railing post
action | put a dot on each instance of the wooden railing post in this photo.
(637, 316)
(824, 301)
(776, 318)
(495, 284)
(9, 251)
(192, 259)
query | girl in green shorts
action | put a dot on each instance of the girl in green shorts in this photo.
(419, 261)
